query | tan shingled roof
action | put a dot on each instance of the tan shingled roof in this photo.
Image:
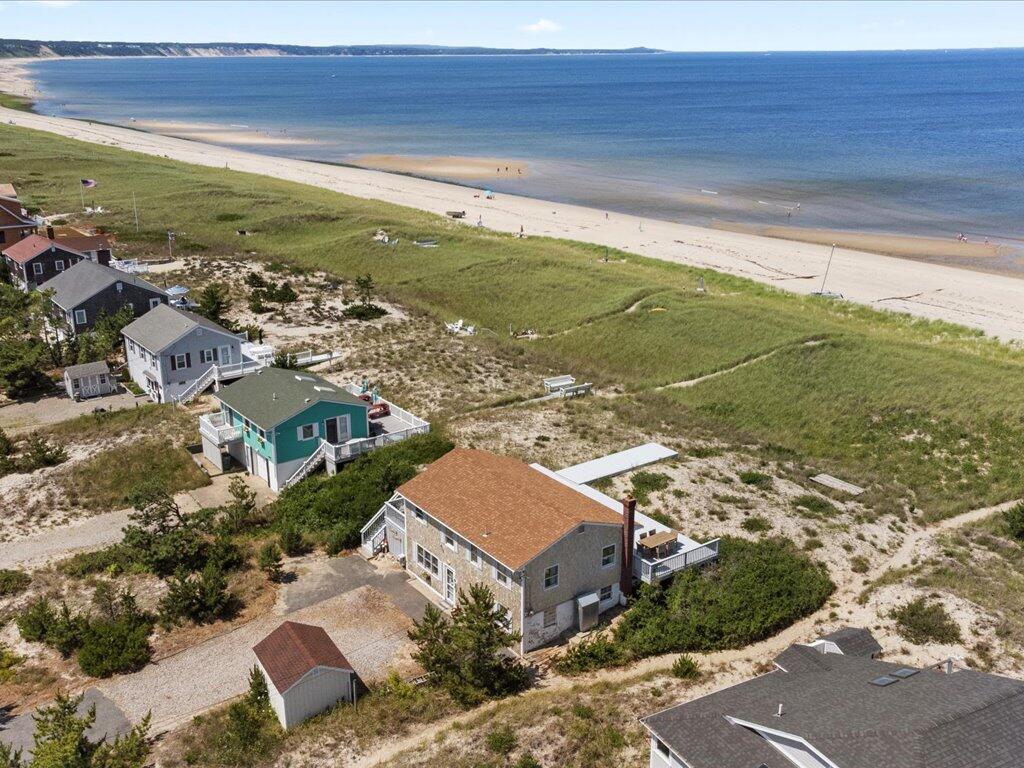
(293, 649)
(505, 507)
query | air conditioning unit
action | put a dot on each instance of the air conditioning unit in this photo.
(588, 611)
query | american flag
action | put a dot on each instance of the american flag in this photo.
(89, 183)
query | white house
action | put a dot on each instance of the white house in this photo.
(88, 380)
(305, 672)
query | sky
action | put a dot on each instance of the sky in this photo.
(678, 26)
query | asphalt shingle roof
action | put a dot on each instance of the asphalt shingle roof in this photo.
(85, 279)
(273, 395)
(854, 641)
(293, 649)
(966, 719)
(87, 369)
(29, 247)
(164, 325)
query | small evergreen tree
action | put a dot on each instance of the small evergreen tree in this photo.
(269, 561)
(215, 303)
(258, 694)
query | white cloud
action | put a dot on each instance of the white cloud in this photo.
(541, 26)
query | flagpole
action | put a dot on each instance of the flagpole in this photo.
(81, 191)
(136, 208)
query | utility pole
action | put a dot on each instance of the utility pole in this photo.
(170, 244)
(827, 267)
(135, 207)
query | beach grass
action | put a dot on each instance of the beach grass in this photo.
(929, 414)
(11, 101)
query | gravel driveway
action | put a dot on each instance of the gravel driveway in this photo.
(29, 414)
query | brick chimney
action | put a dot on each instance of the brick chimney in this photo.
(49, 231)
(628, 524)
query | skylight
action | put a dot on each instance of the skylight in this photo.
(884, 680)
(905, 672)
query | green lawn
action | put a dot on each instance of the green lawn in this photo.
(929, 412)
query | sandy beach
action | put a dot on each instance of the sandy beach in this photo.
(237, 135)
(449, 167)
(993, 303)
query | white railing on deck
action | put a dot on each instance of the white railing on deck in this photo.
(231, 370)
(193, 390)
(308, 465)
(217, 428)
(394, 516)
(347, 451)
(651, 571)
(371, 530)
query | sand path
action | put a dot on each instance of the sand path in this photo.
(992, 303)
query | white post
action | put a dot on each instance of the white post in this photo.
(135, 207)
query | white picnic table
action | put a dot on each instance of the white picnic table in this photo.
(558, 382)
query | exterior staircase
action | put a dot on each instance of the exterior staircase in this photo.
(197, 387)
(309, 465)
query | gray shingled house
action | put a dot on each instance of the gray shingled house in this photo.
(87, 289)
(173, 354)
(825, 709)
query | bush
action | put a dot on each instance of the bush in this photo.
(161, 537)
(363, 312)
(9, 662)
(335, 508)
(199, 598)
(645, 483)
(39, 453)
(756, 479)
(685, 668)
(112, 560)
(269, 560)
(291, 541)
(115, 647)
(810, 505)
(35, 620)
(13, 582)
(1014, 519)
(501, 740)
(754, 590)
(588, 655)
(859, 564)
(242, 734)
(756, 524)
(40, 623)
(922, 622)
(526, 760)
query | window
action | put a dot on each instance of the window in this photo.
(474, 556)
(103, 378)
(179, 361)
(59, 265)
(550, 617)
(74, 384)
(501, 577)
(606, 593)
(419, 514)
(119, 285)
(427, 560)
(608, 556)
(206, 355)
(662, 747)
(308, 431)
(37, 268)
(551, 577)
(449, 540)
(79, 317)
(154, 303)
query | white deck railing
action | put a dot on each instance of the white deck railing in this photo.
(216, 427)
(653, 571)
(312, 462)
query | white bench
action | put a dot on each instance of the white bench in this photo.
(576, 390)
(558, 382)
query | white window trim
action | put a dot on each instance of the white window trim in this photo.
(545, 582)
(423, 554)
(615, 555)
(205, 356)
(474, 557)
(499, 574)
(37, 268)
(119, 285)
(449, 534)
(611, 593)
(180, 362)
(80, 313)
(316, 432)
(59, 265)
(153, 303)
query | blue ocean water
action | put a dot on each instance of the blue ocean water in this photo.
(919, 142)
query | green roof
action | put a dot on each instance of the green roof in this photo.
(273, 395)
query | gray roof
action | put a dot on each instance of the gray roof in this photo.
(854, 641)
(87, 369)
(273, 395)
(85, 279)
(164, 325)
(930, 719)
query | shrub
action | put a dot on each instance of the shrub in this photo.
(39, 453)
(810, 505)
(756, 524)
(526, 760)
(1014, 519)
(291, 541)
(112, 560)
(62, 739)
(199, 598)
(921, 622)
(13, 582)
(115, 647)
(269, 560)
(363, 312)
(40, 623)
(645, 483)
(35, 620)
(685, 668)
(501, 740)
(859, 564)
(345, 535)
(756, 479)
(9, 662)
(161, 537)
(588, 655)
(754, 590)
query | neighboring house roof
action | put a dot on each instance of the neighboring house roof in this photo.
(293, 649)
(164, 325)
(87, 278)
(85, 242)
(503, 506)
(87, 369)
(28, 248)
(928, 719)
(273, 395)
(855, 641)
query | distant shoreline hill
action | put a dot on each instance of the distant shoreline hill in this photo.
(44, 49)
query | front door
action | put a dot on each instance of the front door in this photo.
(450, 592)
(332, 431)
(337, 430)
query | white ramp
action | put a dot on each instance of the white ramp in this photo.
(617, 463)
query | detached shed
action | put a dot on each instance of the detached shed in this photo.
(88, 380)
(305, 672)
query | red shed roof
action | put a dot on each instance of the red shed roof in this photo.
(293, 649)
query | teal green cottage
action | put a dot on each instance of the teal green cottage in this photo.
(281, 425)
